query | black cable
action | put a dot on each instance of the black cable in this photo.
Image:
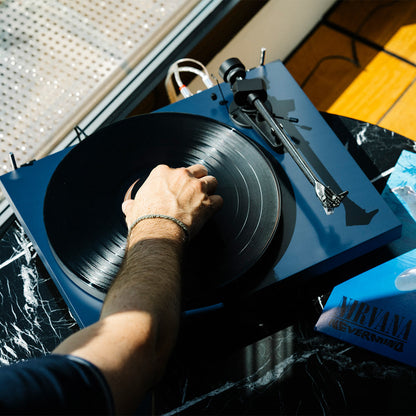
(355, 36)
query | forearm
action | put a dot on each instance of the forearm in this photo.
(140, 316)
(149, 279)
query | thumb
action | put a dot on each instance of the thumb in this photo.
(126, 206)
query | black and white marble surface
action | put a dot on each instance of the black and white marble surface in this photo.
(374, 148)
(294, 370)
(33, 315)
(258, 356)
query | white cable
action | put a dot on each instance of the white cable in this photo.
(175, 70)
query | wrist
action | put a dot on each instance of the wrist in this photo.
(178, 222)
(156, 228)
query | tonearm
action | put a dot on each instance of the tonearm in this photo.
(251, 109)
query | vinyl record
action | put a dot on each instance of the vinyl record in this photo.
(82, 207)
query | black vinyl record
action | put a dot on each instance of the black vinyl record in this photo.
(82, 207)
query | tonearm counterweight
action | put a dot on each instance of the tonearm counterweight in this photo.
(250, 106)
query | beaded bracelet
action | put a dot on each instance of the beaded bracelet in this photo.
(166, 217)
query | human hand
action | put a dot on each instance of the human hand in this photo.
(186, 194)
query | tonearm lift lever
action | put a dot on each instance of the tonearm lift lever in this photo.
(249, 109)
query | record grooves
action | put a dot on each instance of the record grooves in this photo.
(82, 207)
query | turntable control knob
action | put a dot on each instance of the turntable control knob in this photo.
(231, 69)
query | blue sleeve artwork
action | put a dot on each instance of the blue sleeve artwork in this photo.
(402, 182)
(54, 384)
(376, 309)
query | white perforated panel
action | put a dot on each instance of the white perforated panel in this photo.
(58, 58)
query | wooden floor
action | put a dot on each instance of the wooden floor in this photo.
(360, 62)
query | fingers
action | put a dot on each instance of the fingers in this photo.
(128, 193)
(198, 171)
(201, 172)
(216, 202)
(209, 184)
(126, 206)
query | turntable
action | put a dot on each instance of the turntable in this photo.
(274, 225)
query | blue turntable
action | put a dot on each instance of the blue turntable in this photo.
(312, 169)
